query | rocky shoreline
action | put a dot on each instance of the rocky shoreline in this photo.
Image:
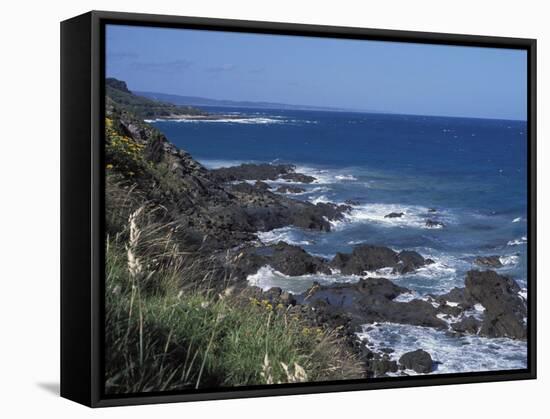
(221, 211)
(489, 305)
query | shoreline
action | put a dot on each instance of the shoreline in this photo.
(219, 213)
(190, 117)
(443, 312)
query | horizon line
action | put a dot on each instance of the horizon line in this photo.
(327, 108)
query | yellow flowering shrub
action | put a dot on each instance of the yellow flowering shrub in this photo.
(122, 152)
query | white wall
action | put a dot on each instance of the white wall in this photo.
(29, 274)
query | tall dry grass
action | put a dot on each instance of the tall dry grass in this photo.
(168, 326)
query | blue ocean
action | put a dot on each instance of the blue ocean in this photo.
(469, 175)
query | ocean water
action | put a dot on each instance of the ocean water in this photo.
(472, 172)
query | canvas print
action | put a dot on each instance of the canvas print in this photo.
(290, 209)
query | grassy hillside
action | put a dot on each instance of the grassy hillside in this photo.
(143, 107)
(165, 331)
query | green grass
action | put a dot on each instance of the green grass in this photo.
(166, 332)
(148, 108)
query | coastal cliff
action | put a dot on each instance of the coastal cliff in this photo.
(190, 228)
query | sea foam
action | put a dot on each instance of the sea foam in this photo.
(267, 277)
(414, 216)
(518, 242)
(257, 120)
(451, 353)
(290, 235)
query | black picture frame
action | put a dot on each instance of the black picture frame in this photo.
(82, 205)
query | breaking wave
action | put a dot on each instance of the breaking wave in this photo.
(518, 242)
(261, 120)
(451, 353)
(411, 215)
(289, 235)
(267, 278)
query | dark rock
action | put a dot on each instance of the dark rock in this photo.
(310, 217)
(380, 367)
(370, 300)
(410, 257)
(488, 261)
(456, 295)
(351, 202)
(415, 312)
(117, 84)
(262, 185)
(394, 215)
(468, 325)
(419, 361)
(409, 261)
(290, 189)
(244, 187)
(365, 258)
(434, 224)
(365, 352)
(379, 288)
(369, 258)
(298, 177)
(261, 210)
(249, 171)
(274, 295)
(449, 310)
(432, 210)
(505, 310)
(293, 260)
(333, 211)
(288, 259)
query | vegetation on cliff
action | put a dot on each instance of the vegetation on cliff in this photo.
(176, 316)
(144, 107)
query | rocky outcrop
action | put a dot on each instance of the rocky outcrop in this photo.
(419, 361)
(266, 210)
(457, 296)
(250, 171)
(468, 325)
(505, 311)
(410, 261)
(224, 214)
(144, 107)
(293, 260)
(434, 224)
(394, 215)
(117, 84)
(285, 258)
(370, 258)
(298, 177)
(290, 189)
(262, 185)
(274, 295)
(371, 300)
(488, 261)
(365, 258)
(333, 211)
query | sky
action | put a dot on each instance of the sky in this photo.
(361, 75)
